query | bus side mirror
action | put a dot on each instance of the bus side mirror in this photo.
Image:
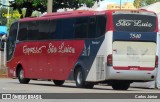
(3, 40)
(1, 49)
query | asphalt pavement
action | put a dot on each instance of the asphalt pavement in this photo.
(46, 91)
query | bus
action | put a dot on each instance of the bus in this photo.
(116, 47)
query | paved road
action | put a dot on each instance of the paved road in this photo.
(12, 86)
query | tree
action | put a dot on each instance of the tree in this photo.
(30, 5)
(41, 5)
(140, 3)
(148, 2)
(13, 16)
(3, 19)
(137, 3)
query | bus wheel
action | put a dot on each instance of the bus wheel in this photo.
(58, 82)
(79, 78)
(120, 86)
(21, 78)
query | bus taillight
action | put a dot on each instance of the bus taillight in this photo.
(109, 60)
(156, 63)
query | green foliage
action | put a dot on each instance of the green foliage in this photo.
(3, 19)
(72, 4)
(19, 1)
(16, 7)
(13, 16)
(148, 2)
(140, 3)
(89, 3)
(137, 3)
(41, 5)
(39, 2)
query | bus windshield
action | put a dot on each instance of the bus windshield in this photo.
(134, 22)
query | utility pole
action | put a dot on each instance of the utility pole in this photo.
(49, 6)
(8, 24)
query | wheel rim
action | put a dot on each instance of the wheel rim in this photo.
(21, 74)
(79, 78)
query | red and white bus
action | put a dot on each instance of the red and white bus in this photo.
(115, 47)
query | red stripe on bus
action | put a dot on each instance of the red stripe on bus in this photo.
(133, 68)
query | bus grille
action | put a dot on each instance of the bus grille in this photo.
(100, 67)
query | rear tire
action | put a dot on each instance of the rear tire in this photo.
(79, 78)
(58, 82)
(21, 78)
(120, 86)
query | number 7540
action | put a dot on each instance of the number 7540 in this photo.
(135, 36)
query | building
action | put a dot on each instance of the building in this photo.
(126, 5)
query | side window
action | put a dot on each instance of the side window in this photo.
(62, 28)
(43, 30)
(56, 29)
(92, 27)
(101, 25)
(22, 34)
(68, 28)
(33, 31)
(52, 26)
(81, 27)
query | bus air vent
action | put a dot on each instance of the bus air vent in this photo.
(100, 67)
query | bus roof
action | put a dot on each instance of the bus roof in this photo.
(77, 13)
(57, 15)
(133, 11)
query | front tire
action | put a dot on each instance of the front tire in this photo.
(21, 78)
(58, 82)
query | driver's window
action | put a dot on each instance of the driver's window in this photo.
(13, 32)
(11, 40)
